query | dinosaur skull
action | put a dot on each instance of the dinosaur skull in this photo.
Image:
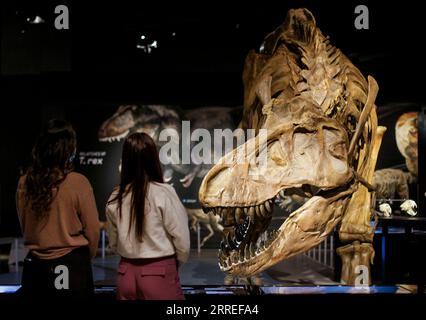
(118, 126)
(386, 209)
(410, 207)
(306, 154)
(135, 118)
(308, 98)
(305, 150)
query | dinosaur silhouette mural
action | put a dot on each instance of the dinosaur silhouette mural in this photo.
(154, 119)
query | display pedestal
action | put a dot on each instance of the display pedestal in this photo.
(400, 255)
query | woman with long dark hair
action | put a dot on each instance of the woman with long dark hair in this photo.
(58, 217)
(147, 226)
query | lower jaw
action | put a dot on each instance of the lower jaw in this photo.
(291, 239)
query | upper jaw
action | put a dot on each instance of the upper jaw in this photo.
(247, 197)
(115, 137)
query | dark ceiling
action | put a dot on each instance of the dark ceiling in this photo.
(200, 47)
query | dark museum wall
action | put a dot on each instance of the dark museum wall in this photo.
(83, 74)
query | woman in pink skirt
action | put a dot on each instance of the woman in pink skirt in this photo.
(147, 226)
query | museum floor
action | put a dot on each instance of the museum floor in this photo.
(201, 275)
(202, 269)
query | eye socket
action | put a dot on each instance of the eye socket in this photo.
(335, 144)
(338, 150)
(124, 108)
(304, 130)
(124, 118)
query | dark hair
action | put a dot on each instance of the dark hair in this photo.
(140, 164)
(52, 157)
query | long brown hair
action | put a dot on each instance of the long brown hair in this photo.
(52, 157)
(140, 164)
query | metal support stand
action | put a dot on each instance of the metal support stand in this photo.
(16, 254)
(103, 243)
(198, 238)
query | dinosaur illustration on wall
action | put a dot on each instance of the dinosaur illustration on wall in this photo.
(392, 184)
(406, 134)
(322, 144)
(152, 119)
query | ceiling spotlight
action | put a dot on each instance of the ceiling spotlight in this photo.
(173, 34)
(148, 47)
(36, 20)
(143, 37)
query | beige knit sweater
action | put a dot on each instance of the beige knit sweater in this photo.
(165, 229)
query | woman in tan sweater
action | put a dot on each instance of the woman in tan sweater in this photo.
(147, 226)
(58, 217)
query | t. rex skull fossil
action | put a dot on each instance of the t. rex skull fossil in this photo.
(319, 114)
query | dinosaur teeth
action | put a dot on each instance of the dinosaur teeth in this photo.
(231, 243)
(268, 206)
(252, 249)
(235, 258)
(271, 238)
(257, 209)
(251, 212)
(115, 138)
(246, 224)
(219, 211)
(241, 256)
(238, 245)
(247, 252)
(238, 214)
(239, 234)
(221, 260)
(223, 246)
(263, 210)
(261, 240)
